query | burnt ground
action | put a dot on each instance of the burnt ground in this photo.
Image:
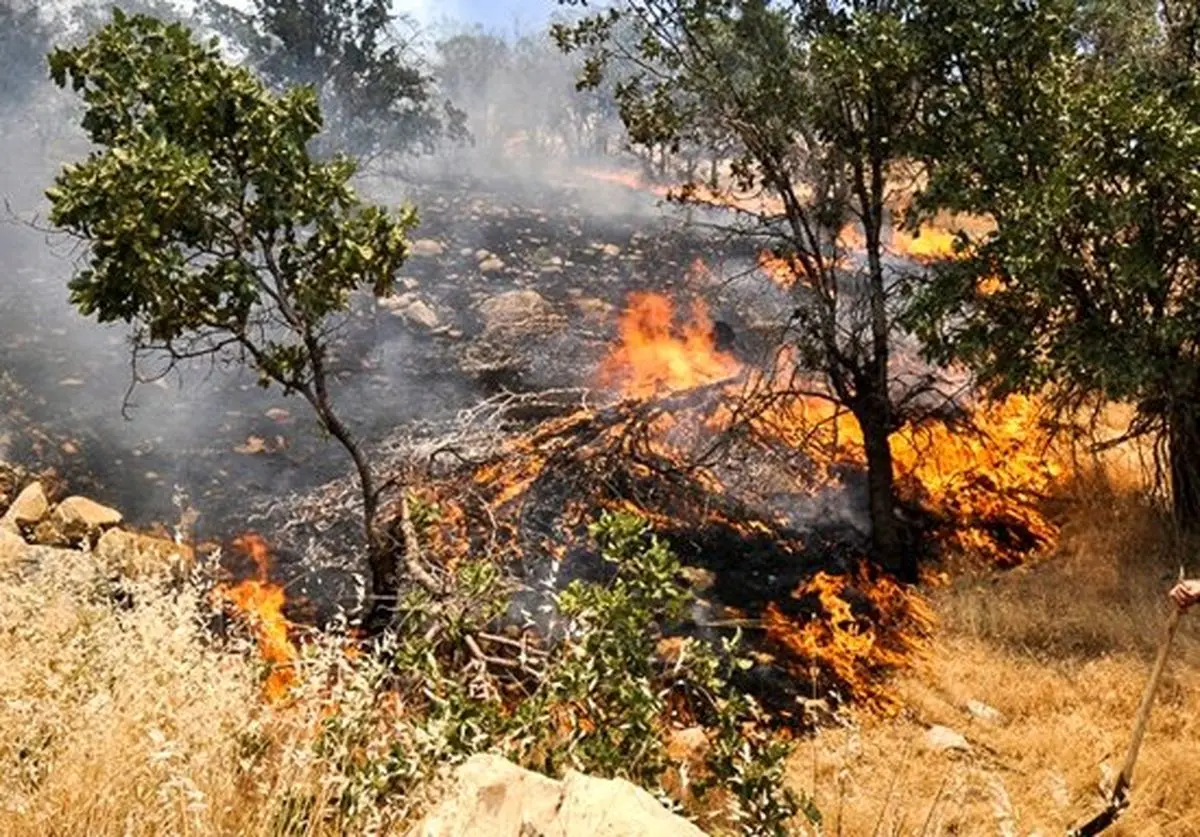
(561, 259)
(226, 442)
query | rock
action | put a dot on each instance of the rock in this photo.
(492, 797)
(134, 555)
(79, 516)
(515, 310)
(12, 548)
(943, 739)
(29, 509)
(50, 533)
(426, 247)
(412, 309)
(982, 712)
(492, 264)
(611, 250)
(596, 310)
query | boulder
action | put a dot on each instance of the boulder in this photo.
(519, 310)
(28, 509)
(79, 516)
(134, 555)
(492, 797)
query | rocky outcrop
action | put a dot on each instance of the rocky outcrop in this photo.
(34, 529)
(492, 797)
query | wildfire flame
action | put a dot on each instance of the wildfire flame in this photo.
(850, 647)
(656, 357)
(978, 483)
(261, 602)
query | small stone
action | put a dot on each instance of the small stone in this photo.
(30, 507)
(12, 547)
(611, 250)
(80, 513)
(519, 310)
(426, 247)
(412, 309)
(982, 712)
(50, 533)
(278, 414)
(420, 314)
(942, 739)
(492, 264)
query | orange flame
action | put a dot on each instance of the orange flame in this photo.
(261, 603)
(928, 244)
(853, 649)
(654, 357)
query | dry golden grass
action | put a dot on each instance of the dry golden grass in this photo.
(121, 718)
(1062, 650)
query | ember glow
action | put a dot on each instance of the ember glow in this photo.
(260, 602)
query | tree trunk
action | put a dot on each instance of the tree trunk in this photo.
(1183, 451)
(887, 545)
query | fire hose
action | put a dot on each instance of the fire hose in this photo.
(1118, 799)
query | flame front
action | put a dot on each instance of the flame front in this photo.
(261, 602)
(851, 649)
(654, 357)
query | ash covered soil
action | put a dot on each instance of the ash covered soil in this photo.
(508, 287)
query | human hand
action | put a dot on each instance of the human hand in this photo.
(1185, 593)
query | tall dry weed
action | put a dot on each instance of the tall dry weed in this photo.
(120, 715)
(1061, 651)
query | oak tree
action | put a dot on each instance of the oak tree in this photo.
(1079, 137)
(211, 229)
(821, 105)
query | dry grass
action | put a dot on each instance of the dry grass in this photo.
(121, 718)
(128, 719)
(1062, 650)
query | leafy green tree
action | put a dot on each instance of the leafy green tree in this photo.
(822, 103)
(1080, 140)
(211, 229)
(358, 56)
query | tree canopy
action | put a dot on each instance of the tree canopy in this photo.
(358, 56)
(211, 228)
(1079, 136)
